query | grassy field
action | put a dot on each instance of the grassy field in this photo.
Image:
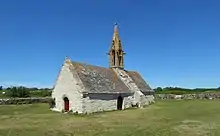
(165, 118)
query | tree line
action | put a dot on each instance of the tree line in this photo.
(24, 92)
(179, 91)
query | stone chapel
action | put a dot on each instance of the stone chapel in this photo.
(83, 88)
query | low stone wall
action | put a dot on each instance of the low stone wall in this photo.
(188, 96)
(31, 100)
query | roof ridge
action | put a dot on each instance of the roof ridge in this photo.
(88, 64)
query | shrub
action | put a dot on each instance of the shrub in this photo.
(52, 103)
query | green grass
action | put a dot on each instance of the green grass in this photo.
(165, 118)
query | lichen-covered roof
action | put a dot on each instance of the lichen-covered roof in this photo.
(98, 79)
(139, 81)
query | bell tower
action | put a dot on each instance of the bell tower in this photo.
(116, 53)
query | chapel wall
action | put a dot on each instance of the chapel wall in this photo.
(67, 85)
(105, 102)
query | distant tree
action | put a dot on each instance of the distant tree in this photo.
(8, 88)
(11, 92)
(159, 89)
(46, 93)
(1, 88)
(21, 92)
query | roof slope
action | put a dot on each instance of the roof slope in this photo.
(99, 79)
(139, 81)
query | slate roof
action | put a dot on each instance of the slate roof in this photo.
(139, 81)
(98, 79)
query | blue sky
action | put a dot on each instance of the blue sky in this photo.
(170, 42)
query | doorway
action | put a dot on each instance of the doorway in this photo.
(119, 103)
(66, 104)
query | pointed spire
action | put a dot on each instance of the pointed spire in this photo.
(116, 28)
(116, 53)
(115, 35)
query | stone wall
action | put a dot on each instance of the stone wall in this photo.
(108, 102)
(105, 102)
(188, 96)
(150, 99)
(31, 100)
